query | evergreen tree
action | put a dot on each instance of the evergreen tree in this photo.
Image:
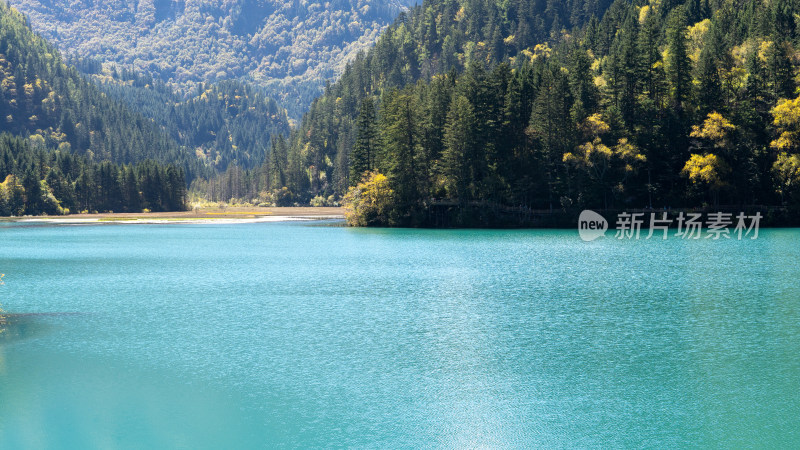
(678, 62)
(581, 80)
(33, 193)
(780, 74)
(459, 138)
(709, 92)
(551, 127)
(399, 143)
(631, 75)
(277, 163)
(362, 157)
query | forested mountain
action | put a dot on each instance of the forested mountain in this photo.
(662, 104)
(74, 133)
(438, 37)
(41, 95)
(224, 123)
(467, 112)
(289, 47)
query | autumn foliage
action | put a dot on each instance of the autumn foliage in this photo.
(369, 202)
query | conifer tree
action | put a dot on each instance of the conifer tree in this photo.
(459, 138)
(780, 74)
(362, 157)
(709, 92)
(399, 146)
(678, 62)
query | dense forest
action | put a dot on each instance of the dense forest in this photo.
(225, 123)
(487, 106)
(40, 94)
(434, 38)
(77, 149)
(289, 48)
(41, 181)
(469, 110)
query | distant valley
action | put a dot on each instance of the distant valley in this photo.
(289, 48)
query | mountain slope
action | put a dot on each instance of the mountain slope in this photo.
(289, 47)
(75, 149)
(656, 104)
(224, 123)
(431, 39)
(40, 95)
(688, 105)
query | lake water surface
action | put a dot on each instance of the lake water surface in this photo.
(297, 334)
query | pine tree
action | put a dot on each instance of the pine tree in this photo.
(459, 138)
(277, 163)
(33, 193)
(630, 67)
(362, 157)
(551, 126)
(130, 187)
(709, 92)
(581, 80)
(399, 144)
(780, 74)
(678, 63)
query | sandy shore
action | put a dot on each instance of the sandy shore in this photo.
(198, 215)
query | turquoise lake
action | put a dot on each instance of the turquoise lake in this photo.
(315, 335)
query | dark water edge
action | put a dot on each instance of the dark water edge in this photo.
(452, 216)
(23, 326)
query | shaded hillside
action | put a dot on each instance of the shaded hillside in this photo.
(224, 123)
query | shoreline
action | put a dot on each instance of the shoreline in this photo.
(253, 214)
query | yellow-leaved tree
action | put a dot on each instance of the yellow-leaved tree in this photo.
(630, 155)
(597, 159)
(12, 196)
(787, 171)
(716, 129)
(708, 170)
(369, 202)
(786, 118)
